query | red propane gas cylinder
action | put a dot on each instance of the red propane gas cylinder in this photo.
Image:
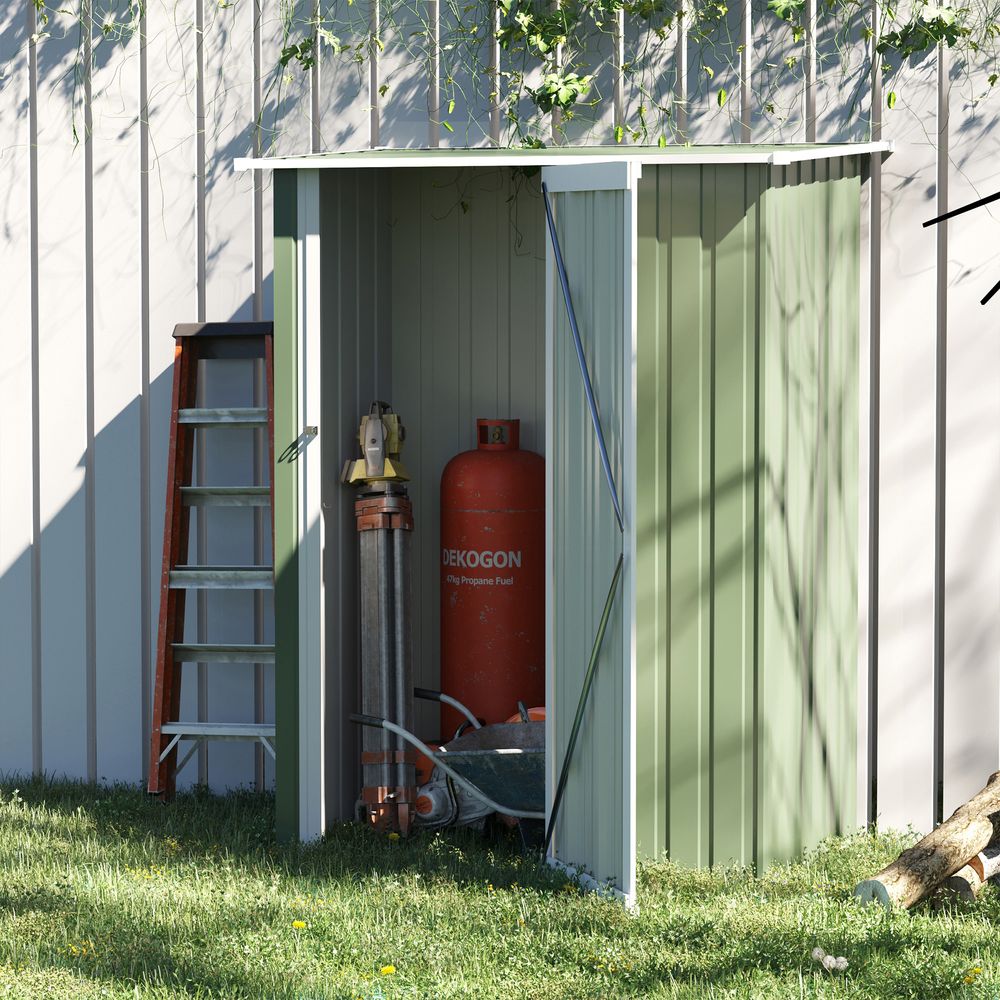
(493, 576)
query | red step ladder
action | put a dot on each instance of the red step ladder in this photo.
(202, 342)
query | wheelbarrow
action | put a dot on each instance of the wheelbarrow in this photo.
(503, 765)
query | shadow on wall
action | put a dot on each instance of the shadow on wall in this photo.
(45, 722)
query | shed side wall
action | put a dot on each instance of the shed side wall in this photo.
(748, 334)
(698, 242)
(807, 495)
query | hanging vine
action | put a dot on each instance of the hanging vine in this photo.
(557, 71)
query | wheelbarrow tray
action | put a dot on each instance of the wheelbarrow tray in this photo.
(506, 762)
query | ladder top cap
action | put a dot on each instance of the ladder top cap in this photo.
(223, 330)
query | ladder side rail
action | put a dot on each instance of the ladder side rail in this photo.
(166, 698)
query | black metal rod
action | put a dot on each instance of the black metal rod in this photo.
(588, 683)
(961, 211)
(588, 386)
(989, 295)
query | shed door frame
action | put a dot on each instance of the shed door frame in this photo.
(600, 176)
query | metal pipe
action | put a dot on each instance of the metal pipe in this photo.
(588, 387)
(386, 645)
(402, 681)
(588, 682)
(370, 720)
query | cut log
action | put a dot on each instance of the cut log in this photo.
(943, 852)
(963, 887)
(966, 883)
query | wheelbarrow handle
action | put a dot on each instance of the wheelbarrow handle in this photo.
(367, 720)
(428, 694)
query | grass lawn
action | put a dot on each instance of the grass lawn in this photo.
(104, 894)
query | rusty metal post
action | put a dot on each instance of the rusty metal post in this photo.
(384, 517)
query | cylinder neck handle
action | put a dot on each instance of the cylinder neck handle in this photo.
(498, 435)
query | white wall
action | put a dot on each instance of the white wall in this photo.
(107, 242)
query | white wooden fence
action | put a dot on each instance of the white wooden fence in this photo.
(120, 216)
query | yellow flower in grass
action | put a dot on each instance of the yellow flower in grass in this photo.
(393, 837)
(972, 975)
(299, 925)
(388, 970)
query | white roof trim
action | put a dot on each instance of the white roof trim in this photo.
(543, 158)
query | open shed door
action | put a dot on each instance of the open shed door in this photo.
(593, 215)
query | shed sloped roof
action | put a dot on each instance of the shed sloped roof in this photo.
(776, 155)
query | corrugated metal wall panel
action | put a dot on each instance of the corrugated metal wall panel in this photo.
(117, 389)
(697, 397)
(62, 442)
(972, 632)
(17, 264)
(714, 582)
(586, 541)
(228, 689)
(808, 510)
(171, 252)
(906, 532)
(357, 368)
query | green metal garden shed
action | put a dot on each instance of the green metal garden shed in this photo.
(718, 295)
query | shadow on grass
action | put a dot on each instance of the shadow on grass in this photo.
(240, 826)
(724, 933)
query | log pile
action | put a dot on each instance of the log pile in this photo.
(955, 860)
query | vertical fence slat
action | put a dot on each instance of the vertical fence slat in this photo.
(810, 91)
(433, 73)
(37, 748)
(681, 70)
(619, 69)
(940, 430)
(229, 295)
(145, 521)
(746, 69)
(874, 398)
(116, 392)
(260, 526)
(62, 308)
(17, 257)
(315, 84)
(495, 96)
(374, 98)
(90, 516)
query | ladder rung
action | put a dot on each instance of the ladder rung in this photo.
(222, 578)
(226, 496)
(214, 653)
(219, 730)
(233, 416)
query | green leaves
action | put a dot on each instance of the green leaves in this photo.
(890, 100)
(930, 26)
(720, 98)
(326, 36)
(301, 52)
(786, 10)
(559, 90)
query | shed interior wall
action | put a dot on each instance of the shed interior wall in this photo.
(433, 299)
